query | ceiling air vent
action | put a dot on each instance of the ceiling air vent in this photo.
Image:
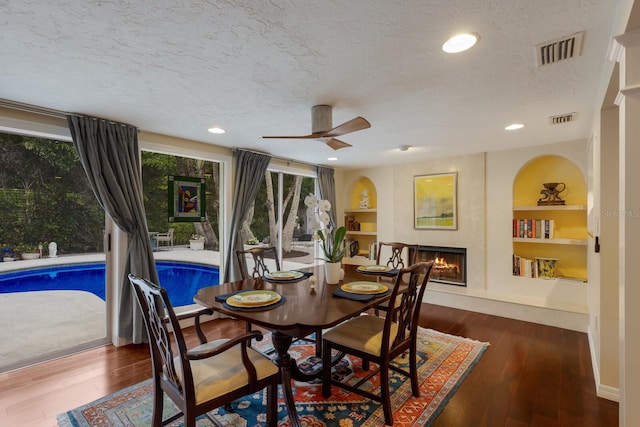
(563, 118)
(560, 49)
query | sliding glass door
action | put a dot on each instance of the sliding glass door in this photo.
(278, 218)
(53, 299)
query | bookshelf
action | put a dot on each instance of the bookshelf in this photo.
(365, 235)
(361, 224)
(567, 240)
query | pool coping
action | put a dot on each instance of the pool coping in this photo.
(177, 254)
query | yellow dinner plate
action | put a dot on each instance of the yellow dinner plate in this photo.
(253, 299)
(364, 288)
(284, 275)
(374, 268)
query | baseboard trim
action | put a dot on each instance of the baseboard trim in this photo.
(483, 304)
(603, 391)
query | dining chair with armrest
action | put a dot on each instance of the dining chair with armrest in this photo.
(205, 377)
(402, 255)
(380, 340)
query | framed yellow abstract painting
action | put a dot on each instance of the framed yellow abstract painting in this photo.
(435, 201)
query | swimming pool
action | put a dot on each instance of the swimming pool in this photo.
(181, 280)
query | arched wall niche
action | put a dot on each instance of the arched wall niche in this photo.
(567, 243)
(361, 184)
(549, 168)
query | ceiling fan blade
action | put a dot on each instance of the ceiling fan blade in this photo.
(336, 144)
(352, 125)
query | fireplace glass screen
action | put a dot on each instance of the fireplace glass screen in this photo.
(450, 264)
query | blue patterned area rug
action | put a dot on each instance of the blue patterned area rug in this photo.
(444, 361)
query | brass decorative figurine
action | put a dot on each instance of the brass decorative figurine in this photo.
(551, 193)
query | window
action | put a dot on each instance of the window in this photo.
(278, 217)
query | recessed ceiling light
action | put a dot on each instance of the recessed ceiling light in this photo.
(332, 159)
(216, 130)
(514, 126)
(460, 42)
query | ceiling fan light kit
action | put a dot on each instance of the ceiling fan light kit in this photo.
(321, 128)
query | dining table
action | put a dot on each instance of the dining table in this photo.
(305, 304)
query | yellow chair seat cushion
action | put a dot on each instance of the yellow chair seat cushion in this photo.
(363, 333)
(220, 374)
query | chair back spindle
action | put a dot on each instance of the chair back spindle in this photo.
(164, 333)
(259, 256)
(397, 258)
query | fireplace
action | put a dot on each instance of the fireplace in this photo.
(450, 265)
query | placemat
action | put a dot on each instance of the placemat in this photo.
(389, 273)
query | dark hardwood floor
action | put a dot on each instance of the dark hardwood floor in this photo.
(531, 375)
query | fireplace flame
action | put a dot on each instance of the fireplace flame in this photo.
(442, 263)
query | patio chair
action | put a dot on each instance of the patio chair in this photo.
(380, 340)
(165, 237)
(203, 378)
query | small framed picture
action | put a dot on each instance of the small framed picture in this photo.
(186, 199)
(435, 201)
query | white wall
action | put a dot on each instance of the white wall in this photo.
(394, 187)
(502, 168)
(485, 187)
(471, 212)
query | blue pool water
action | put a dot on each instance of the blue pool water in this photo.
(181, 280)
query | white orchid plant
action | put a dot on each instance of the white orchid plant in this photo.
(319, 223)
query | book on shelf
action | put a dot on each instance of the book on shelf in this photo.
(352, 248)
(373, 251)
(533, 228)
(524, 267)
(349, 222)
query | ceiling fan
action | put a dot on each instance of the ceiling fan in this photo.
(321, 128)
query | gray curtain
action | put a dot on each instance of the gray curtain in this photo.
(327, 187)
(109, 154)
(250, 170)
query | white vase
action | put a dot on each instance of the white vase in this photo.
(332, 272)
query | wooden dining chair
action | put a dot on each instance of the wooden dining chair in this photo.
(258, 255)
(203, 378)
(402, 255)
(380, 340)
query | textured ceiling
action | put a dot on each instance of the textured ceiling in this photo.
(256, 67)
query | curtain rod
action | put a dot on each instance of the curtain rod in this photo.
(276, 157)
(33, 109)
